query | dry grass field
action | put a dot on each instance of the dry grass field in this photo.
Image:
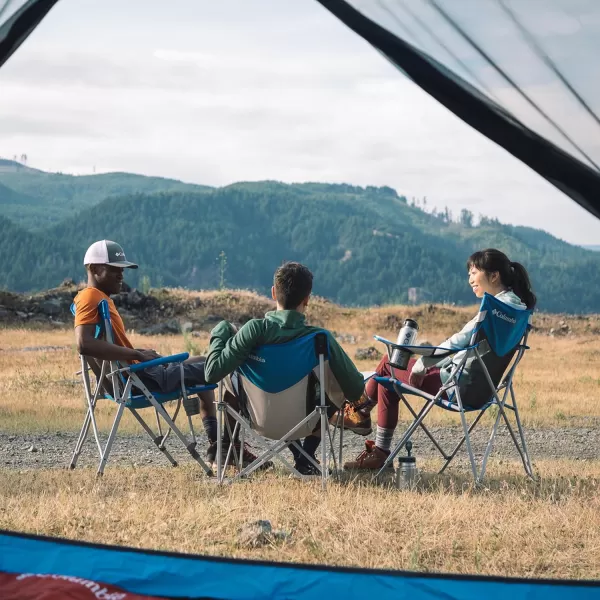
(558, 382)
(511, 526)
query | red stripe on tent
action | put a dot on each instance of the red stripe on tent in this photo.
(28, 586)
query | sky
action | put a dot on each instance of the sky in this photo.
(245, 90)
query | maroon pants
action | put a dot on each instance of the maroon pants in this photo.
(388, 400)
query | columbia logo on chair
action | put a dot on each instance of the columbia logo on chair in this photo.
(257, 358)
(502, 316)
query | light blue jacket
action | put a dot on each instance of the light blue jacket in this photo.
(462, 340)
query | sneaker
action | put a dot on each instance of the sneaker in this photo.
(353, 421)
(305, 467)
(371, 458)
(249, 457)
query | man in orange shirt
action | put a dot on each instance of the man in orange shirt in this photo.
(105, 262)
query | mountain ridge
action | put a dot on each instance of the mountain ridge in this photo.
(365, 245)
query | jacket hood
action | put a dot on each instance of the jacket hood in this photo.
(510, 298)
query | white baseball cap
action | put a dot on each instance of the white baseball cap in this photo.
(106, 252)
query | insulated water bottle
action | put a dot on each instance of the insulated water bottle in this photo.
(406, 473)
(406, 337)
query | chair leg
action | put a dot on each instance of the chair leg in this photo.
(157, 439)
(324, 445)
(341, 429)
(232, 434)
(459, 445)
(81, 440)
(501, 414)
(190, 446)
(91, 400)
(221, 406)
(276, 448)
(332, 452)
(526, 459)
(111, 439)
(424, 427)
(407, 435)
(463, 420)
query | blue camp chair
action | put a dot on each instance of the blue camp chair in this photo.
(499, 338)
(122, 386)
(281, 404)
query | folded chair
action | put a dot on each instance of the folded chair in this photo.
(497, 345)
(121, 385)
(283, 392)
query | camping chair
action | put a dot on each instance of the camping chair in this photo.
(499, 338)
(123, 386)
(278, 395)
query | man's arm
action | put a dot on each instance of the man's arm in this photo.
(88, 345)
(350, 379)
(228, 349)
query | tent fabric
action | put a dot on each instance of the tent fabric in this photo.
(29, 586)
(18, 18)
(521, 73)
(173, 575)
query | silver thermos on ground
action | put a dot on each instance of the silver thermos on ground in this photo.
(406, 337)
(406, 473)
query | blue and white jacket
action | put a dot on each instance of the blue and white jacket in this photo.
(461, 340)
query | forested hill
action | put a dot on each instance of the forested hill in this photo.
(365, 246)
(35, 199)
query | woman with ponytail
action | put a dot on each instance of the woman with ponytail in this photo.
(489, 271)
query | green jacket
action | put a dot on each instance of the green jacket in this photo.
(228, 350)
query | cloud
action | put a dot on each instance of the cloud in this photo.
(219, 92)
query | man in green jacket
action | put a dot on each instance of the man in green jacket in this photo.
(229, 349)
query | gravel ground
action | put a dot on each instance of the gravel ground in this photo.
(53, 450)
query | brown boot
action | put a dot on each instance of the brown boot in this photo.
(371, 458)
(353, 421)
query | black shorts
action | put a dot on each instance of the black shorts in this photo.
(167, 378)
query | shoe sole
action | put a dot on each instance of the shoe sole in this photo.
(357, 468)
(358, 430)
(262, 467)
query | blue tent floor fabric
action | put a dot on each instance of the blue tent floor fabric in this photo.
(171, 575)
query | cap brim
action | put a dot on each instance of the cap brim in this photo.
(123, 264)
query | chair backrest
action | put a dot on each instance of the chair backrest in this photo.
(103, 331)
(278, 380)
(499, 330)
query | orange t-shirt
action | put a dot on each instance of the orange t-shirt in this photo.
(86, 313)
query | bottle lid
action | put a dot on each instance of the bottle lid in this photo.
(407, 459)
(411, 323)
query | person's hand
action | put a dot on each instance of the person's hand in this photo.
(416, 379)
(146, 355)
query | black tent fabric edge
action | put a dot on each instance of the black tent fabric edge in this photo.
(574, 178)
(24, 23)
(571, 176)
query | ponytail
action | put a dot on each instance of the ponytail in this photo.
(521, 285)
(512, 274)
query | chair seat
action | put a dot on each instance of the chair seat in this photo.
(394, 385)
(451, 405)
(140, 401)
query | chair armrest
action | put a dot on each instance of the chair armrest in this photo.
(174, 358)
(434, 351)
